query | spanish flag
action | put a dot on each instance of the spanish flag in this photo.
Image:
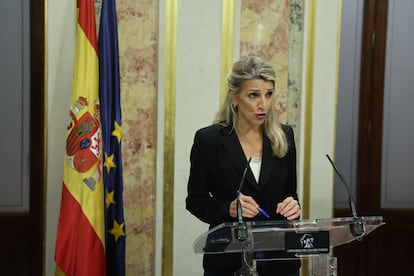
(80, 243)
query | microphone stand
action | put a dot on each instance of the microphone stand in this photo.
(357, 227)
(242, 232)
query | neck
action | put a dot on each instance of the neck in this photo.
(248, 131)
(251, 141)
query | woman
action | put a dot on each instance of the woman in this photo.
(245, 127)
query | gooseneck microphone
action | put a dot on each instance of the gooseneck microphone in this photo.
(357, 227)
(241, 227)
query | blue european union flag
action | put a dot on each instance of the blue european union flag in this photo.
(109, 96)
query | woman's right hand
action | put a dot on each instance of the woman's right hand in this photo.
(248, 204)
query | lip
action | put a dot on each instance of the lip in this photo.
(261, 116)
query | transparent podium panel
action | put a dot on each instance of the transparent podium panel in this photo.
(270, 235)
(298, 239)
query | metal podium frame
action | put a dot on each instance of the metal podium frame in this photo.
(271, 236)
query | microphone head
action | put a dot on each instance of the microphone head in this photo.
(242, 232)
(357, 228)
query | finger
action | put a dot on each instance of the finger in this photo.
(282, 205)
(248, 200)
(233, 208)
(285, 208)
(249, 206)
(249, 210)
(290, 205)
(293, 213)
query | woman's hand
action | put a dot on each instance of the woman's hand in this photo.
(289, 208)
(248, 204)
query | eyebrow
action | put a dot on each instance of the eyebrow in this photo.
(258, 90)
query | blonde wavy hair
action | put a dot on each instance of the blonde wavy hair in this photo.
(248, 69)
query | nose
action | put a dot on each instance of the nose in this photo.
(261, 102)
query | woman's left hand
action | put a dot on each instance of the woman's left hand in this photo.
(289, 208)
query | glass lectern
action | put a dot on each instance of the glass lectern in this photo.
(305, 239)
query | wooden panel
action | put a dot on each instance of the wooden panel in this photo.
(16, 240)
(397, 242)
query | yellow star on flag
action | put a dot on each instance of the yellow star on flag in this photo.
(117, 132)
(118, 230)
(109, 162)
(109, 198)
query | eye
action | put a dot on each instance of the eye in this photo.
(252, 95)
(269, 94)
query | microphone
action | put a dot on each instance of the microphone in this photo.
(357, 227)
(242, 228)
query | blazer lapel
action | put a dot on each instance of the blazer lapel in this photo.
(237, 157)
(267, 161)
(235, 153)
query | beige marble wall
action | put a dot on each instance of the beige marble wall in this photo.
(272, 30)
(138, 38)
(295, 65)
(264, 32)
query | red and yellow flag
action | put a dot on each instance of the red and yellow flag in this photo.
(80, 243)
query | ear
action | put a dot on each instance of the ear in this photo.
(233, 98)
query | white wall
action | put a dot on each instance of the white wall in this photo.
(322, 87)
(198, 98)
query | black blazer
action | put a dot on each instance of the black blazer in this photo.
(217, 164)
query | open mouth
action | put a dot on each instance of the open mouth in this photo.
(261, 116)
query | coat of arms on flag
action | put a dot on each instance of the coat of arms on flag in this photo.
(83, 143)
